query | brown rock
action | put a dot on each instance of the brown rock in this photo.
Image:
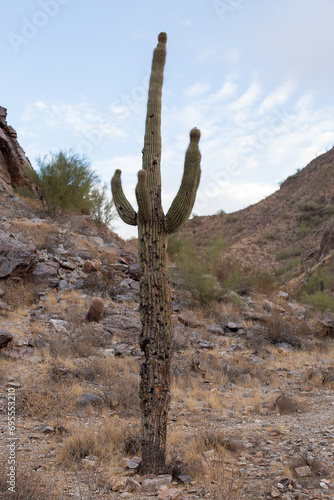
(303, 471)
(12, 156)
(170, 494)
(189, 319)
(16, 257)
(5, 338)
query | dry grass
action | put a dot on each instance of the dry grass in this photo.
(43, 235)
(20, 293)
(287, 405)
(29, 485)
(114, 439)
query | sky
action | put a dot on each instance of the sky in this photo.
(255, 76)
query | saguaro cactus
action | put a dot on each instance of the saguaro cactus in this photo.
(153, 229)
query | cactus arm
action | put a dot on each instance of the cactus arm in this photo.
(152, 138)
(183, 203)
(123, 206)
(142, 195)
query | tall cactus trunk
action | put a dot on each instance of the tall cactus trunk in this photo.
(153, 229)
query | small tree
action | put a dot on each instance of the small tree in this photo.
(103, 209)
(66, 181)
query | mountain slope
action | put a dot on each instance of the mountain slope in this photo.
(286, 227)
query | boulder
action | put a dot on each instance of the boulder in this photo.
(5, 338)
(15, 257)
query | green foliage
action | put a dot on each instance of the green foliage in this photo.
(221, 212)
(304, 230)
(287, 267)
(24, 192)
(232, 218)
(269, 236)
(306, 207)
(286, 254)
(319, 279)
(239, 229)
(102, 208)
(320, 300)
(198, 272)
(285, 215)
(66, 181)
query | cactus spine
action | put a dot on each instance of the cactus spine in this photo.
(153, 229)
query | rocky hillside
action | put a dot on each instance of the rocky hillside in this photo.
(252, 378)
(295, 223)
(12, 156)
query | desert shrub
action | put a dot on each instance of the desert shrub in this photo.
(21, 293)
(199, 271)
(291, 264)
(42, 398)
(306, 207)
(320, 301)
(102, 207)
(114, 438)
(280, 330)
(65, 181)
(285, 405)
(286, 254)
(82, 342)
(269, 236)
(304, 230)
(239, 229)
(232, 218)
(29, 485)
(319, 280)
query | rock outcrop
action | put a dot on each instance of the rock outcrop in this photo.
(12, 156)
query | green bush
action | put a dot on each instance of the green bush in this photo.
(102, 207)
(320, 300)
(304, 230)
(306, 207)
(65, 181)
(198, 271)
(286, 254)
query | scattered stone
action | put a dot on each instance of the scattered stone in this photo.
(177, 306)
(132, 485)
(189, 319)
(170, 494)
(47, 429)
(303, 471)
(134, 270)
(297, 309)
(88, 463)
(5, 338)
(231, 326)
(157, 482)
(275, 493)
(59, 325)
(184, 478)
(217, 329)
(3, 305)
(89, 399)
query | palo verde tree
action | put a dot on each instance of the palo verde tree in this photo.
(153, 229)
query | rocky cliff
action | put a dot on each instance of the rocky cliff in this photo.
(12, 156)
